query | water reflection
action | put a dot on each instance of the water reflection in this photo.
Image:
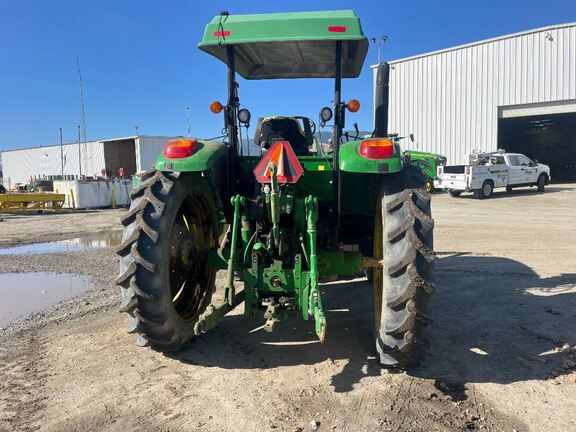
(78, 244)
(24, 293)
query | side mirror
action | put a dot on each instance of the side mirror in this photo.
(535, 162)
(411, 137)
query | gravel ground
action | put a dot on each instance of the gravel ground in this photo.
(501, 355)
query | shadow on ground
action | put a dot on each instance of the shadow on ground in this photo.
(493, 318)
(520, 192)
(497, 321)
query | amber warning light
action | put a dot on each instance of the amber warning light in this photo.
(216, 107)
(353, 105)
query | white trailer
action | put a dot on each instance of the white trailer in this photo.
(488, 171)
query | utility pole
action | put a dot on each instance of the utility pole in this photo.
(379, 44)
(81, 88)
(188, 119)
(79, 155)
(61, 154)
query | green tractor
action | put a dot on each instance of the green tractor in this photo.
(278, 221)
(427, 163)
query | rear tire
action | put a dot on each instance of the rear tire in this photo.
(404, 284)
(485, 191)
(541, 182)
(454, 193)
(165, 279)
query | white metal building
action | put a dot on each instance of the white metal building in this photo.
(516, 92)
(134, 154)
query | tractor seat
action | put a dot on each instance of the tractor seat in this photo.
(274, 129)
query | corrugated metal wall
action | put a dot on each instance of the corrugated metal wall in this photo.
(147, 150)
(20, 165)
(450, 99)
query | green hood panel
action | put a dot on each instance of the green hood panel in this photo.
(207, 152)
(423, 154)
(288, 45)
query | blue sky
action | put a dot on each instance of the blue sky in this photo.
(141, 67)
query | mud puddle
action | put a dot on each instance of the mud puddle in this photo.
(79, 244)
(24, 293)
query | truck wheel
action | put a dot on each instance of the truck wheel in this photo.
(454, 193)
(403, 240)
(541, 182)
(487, 189)
(509, 188)
(165, 279)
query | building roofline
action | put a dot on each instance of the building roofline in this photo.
(481, 42)
(86, 142)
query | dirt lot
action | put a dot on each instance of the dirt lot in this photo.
(501, 356)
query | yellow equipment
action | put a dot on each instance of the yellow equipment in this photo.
(11, 202)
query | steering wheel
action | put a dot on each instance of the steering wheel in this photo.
(312, 126)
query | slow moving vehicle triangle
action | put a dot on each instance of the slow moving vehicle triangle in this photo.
(282, 154)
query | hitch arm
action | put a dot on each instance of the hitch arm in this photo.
(229, 290)
(315, 302)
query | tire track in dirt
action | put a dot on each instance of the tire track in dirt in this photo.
(24, 373)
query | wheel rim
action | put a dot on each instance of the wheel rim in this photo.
(487, 189)
(190, 276)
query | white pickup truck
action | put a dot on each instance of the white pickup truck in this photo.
(487, 171)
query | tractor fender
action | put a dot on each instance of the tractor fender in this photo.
(204, 157)
(350, 160)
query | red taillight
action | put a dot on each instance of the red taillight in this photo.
(337, 29)
(222, 33)
(468, 170)
(377, 148)
(440, 170)
(180, 148)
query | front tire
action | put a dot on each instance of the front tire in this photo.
(541, 182)
(165, 279)
(403, 285)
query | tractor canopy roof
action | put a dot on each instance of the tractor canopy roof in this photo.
(288, 45)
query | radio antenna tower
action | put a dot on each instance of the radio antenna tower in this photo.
(82, 116)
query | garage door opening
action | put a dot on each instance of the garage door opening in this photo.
(118, 154)
(549, 138)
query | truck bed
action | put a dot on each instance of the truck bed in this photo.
(454, 169)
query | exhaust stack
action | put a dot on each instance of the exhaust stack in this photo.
(381, 100)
